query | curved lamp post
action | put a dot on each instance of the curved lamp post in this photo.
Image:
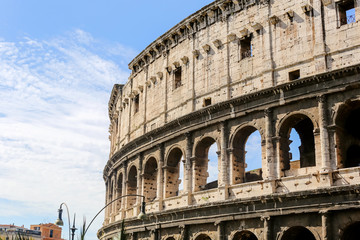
(60, 222)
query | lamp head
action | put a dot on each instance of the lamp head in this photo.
(59, 221)
(142, 214)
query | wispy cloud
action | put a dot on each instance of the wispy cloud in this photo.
(53, 123)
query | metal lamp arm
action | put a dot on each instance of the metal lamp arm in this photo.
(67, 210)
(130, 195)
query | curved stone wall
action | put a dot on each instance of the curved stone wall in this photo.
(227, 71)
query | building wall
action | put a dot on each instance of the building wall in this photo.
(301, 72)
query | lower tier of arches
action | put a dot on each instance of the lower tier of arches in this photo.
(312, 215)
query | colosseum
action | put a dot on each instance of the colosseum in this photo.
(232, 69)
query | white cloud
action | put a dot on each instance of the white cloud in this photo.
(53, 124)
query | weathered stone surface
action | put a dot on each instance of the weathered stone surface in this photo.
(230, 69)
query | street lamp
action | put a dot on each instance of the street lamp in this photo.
(60, 222)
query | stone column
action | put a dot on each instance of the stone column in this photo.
(224, 167)
(220, 230)
(325, 225)
(270, 163)
(319, 37)
(139, 184)
(266, 220)
(160, 178)
(324, 135)
(188, 181)
(106, 201)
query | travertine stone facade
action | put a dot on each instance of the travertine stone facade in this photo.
(225, 72)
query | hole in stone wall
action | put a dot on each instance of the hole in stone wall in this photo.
(177, 73)
(174, 173)
(351, 232)
(298, 233)
(346, 12)
(246, 47)
(206, 165)
(207, 102)
(305, 130)
(294, 75)
(294, 153)
(150, 180)
(131, 186)
(253, 170)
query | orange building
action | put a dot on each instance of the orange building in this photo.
(48, 231)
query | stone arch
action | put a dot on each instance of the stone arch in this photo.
(150, 179)
(172, 171)
(201, 236)
(131, 186)
(119, 189)
(238, 155)
(351, 232)
(244, 235)
(304, 126)
(169, 238)
(297, 233)
(347, 134)
(200, 169)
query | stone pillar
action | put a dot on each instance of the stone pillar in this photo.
(266, 220)
(223, 180)
(106, 201)
(325, 225)
(220, 231)
(324, 135)
(139, 184)
(270, 163)
(319, 37)
(188, 181)
(160, 178)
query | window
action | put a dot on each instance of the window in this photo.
(294, 75)
(51, 233)
(177, 73)
(207, 102)
(136, 104)
(246, 47)
(346, 12)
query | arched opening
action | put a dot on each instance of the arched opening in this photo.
(203, 237)
(246, 157)
(351, 232)
(298, 233)
(131, 187)
(305, 131)
(205, 166)
(174, 173)
(348, 135)
(119, 191)
(245, 235)
(150, 179)
(170, 238)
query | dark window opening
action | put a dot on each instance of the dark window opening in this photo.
(246, 47)
(346, 10)
(207, 102)
(352, 232)
(305, 131)
(51, 233)
(136, 104)
(294, 75)
(245, 235)
(298, 233)
(177, 73)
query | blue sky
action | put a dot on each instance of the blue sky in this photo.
(58, 63)
(59, 60)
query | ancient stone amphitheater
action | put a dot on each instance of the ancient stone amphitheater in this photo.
(233, 68)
